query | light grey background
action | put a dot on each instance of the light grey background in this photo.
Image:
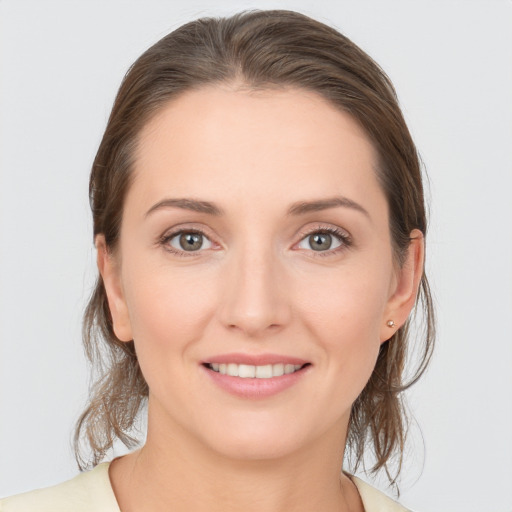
(451, 62)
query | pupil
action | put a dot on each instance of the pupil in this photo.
(321, 241)
(191, 241)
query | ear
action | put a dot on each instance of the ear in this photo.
(110, 273)
(406, 285)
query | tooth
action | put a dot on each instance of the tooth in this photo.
(289, 368)
(246, 371)
(264, 372)
(278, 370)
(232, 369)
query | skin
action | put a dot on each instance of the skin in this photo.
(255, 286)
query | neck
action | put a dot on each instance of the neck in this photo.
(178, 469)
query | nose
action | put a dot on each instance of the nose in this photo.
(254, 294)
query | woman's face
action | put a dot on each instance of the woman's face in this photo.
(255, 235)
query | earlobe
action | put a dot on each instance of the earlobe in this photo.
(408, 280)
(109, 271)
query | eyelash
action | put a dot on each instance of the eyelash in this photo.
(344, 238)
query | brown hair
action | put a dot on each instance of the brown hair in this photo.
(261, 49)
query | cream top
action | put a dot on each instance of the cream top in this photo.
(91, 491)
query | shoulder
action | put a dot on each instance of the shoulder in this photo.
(375, 500)
(87, 491)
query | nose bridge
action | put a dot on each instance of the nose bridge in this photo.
(254, 297)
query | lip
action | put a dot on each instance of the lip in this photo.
(254, 359)
(255, 389)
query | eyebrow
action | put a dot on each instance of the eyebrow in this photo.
(302, 207)
(188, 204)
(297, 208)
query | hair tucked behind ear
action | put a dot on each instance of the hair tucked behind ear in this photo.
(260, 50)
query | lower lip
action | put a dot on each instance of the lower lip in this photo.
(255, 388)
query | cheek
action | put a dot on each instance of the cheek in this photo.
(168, 312)
(344, 312)
(349, 302)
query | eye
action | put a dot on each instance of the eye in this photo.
(325, 240)
(186, 241)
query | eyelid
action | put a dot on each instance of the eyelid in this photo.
(326, 228)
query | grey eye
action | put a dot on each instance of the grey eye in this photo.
(320, 242)
(189, 241)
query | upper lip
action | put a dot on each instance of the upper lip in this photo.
(255, 359)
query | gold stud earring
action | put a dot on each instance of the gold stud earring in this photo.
(390, 323)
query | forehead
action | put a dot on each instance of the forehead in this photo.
(269, 144)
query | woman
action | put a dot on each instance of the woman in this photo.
(260, 226)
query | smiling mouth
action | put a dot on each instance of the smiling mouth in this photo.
(247, 371)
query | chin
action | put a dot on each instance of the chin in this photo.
(254, 438)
